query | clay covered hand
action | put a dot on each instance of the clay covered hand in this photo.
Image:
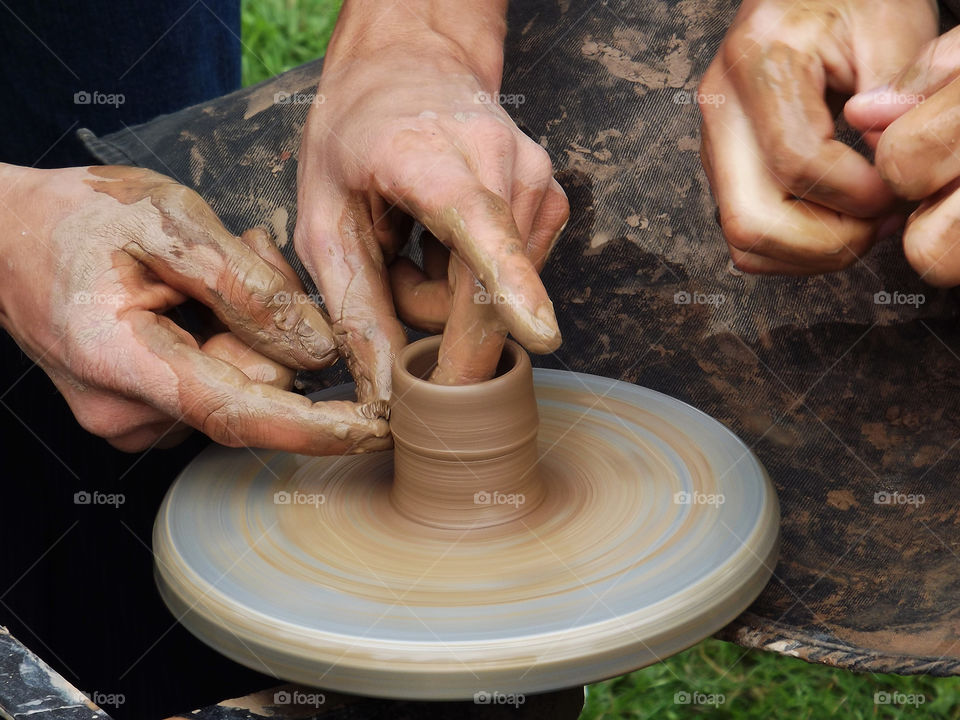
(410, 127)
(95, 257)
(793, 199)
(917, 153)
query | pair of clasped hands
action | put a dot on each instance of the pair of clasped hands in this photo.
(96, 258)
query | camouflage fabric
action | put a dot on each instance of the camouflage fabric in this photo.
(846, 386)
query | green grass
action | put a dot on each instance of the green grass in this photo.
(281, 34)
(759, 685)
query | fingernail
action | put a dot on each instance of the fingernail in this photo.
(545, 325)
(316, 338)
(378, 409)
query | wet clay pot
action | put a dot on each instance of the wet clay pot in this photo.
(465, 455)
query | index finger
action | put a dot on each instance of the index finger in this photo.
(191, 251)
(478, 225)
(335, 239)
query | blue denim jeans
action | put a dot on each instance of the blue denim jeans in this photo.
(103, 64)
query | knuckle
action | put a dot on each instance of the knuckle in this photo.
(493, 130)
(743, 232)
(222, 421)
(259, 281)
(893, 161)
(538, 162)
(794, 168)
(740, 42)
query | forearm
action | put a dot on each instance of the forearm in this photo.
(473, 32)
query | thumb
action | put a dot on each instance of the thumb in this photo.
(933, 67)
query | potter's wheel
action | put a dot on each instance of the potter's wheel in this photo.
(656, 528)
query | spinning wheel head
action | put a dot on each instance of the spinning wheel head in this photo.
(637, 527)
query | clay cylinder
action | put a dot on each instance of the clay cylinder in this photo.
(464, 455)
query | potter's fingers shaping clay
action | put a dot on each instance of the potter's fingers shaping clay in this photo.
(759, 217)
(335, 239)
(421, 303)
(474, 335)
(422, 296)
(782, 90)
(221, 401)
(479, 227)
(193, 253)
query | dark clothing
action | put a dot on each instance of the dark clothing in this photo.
(102, 65)
(76, 581)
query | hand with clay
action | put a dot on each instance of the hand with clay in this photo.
(410, 127)
(94, 258)
(917, 153)
(793, 199)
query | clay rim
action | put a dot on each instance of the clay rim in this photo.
(513, 361)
